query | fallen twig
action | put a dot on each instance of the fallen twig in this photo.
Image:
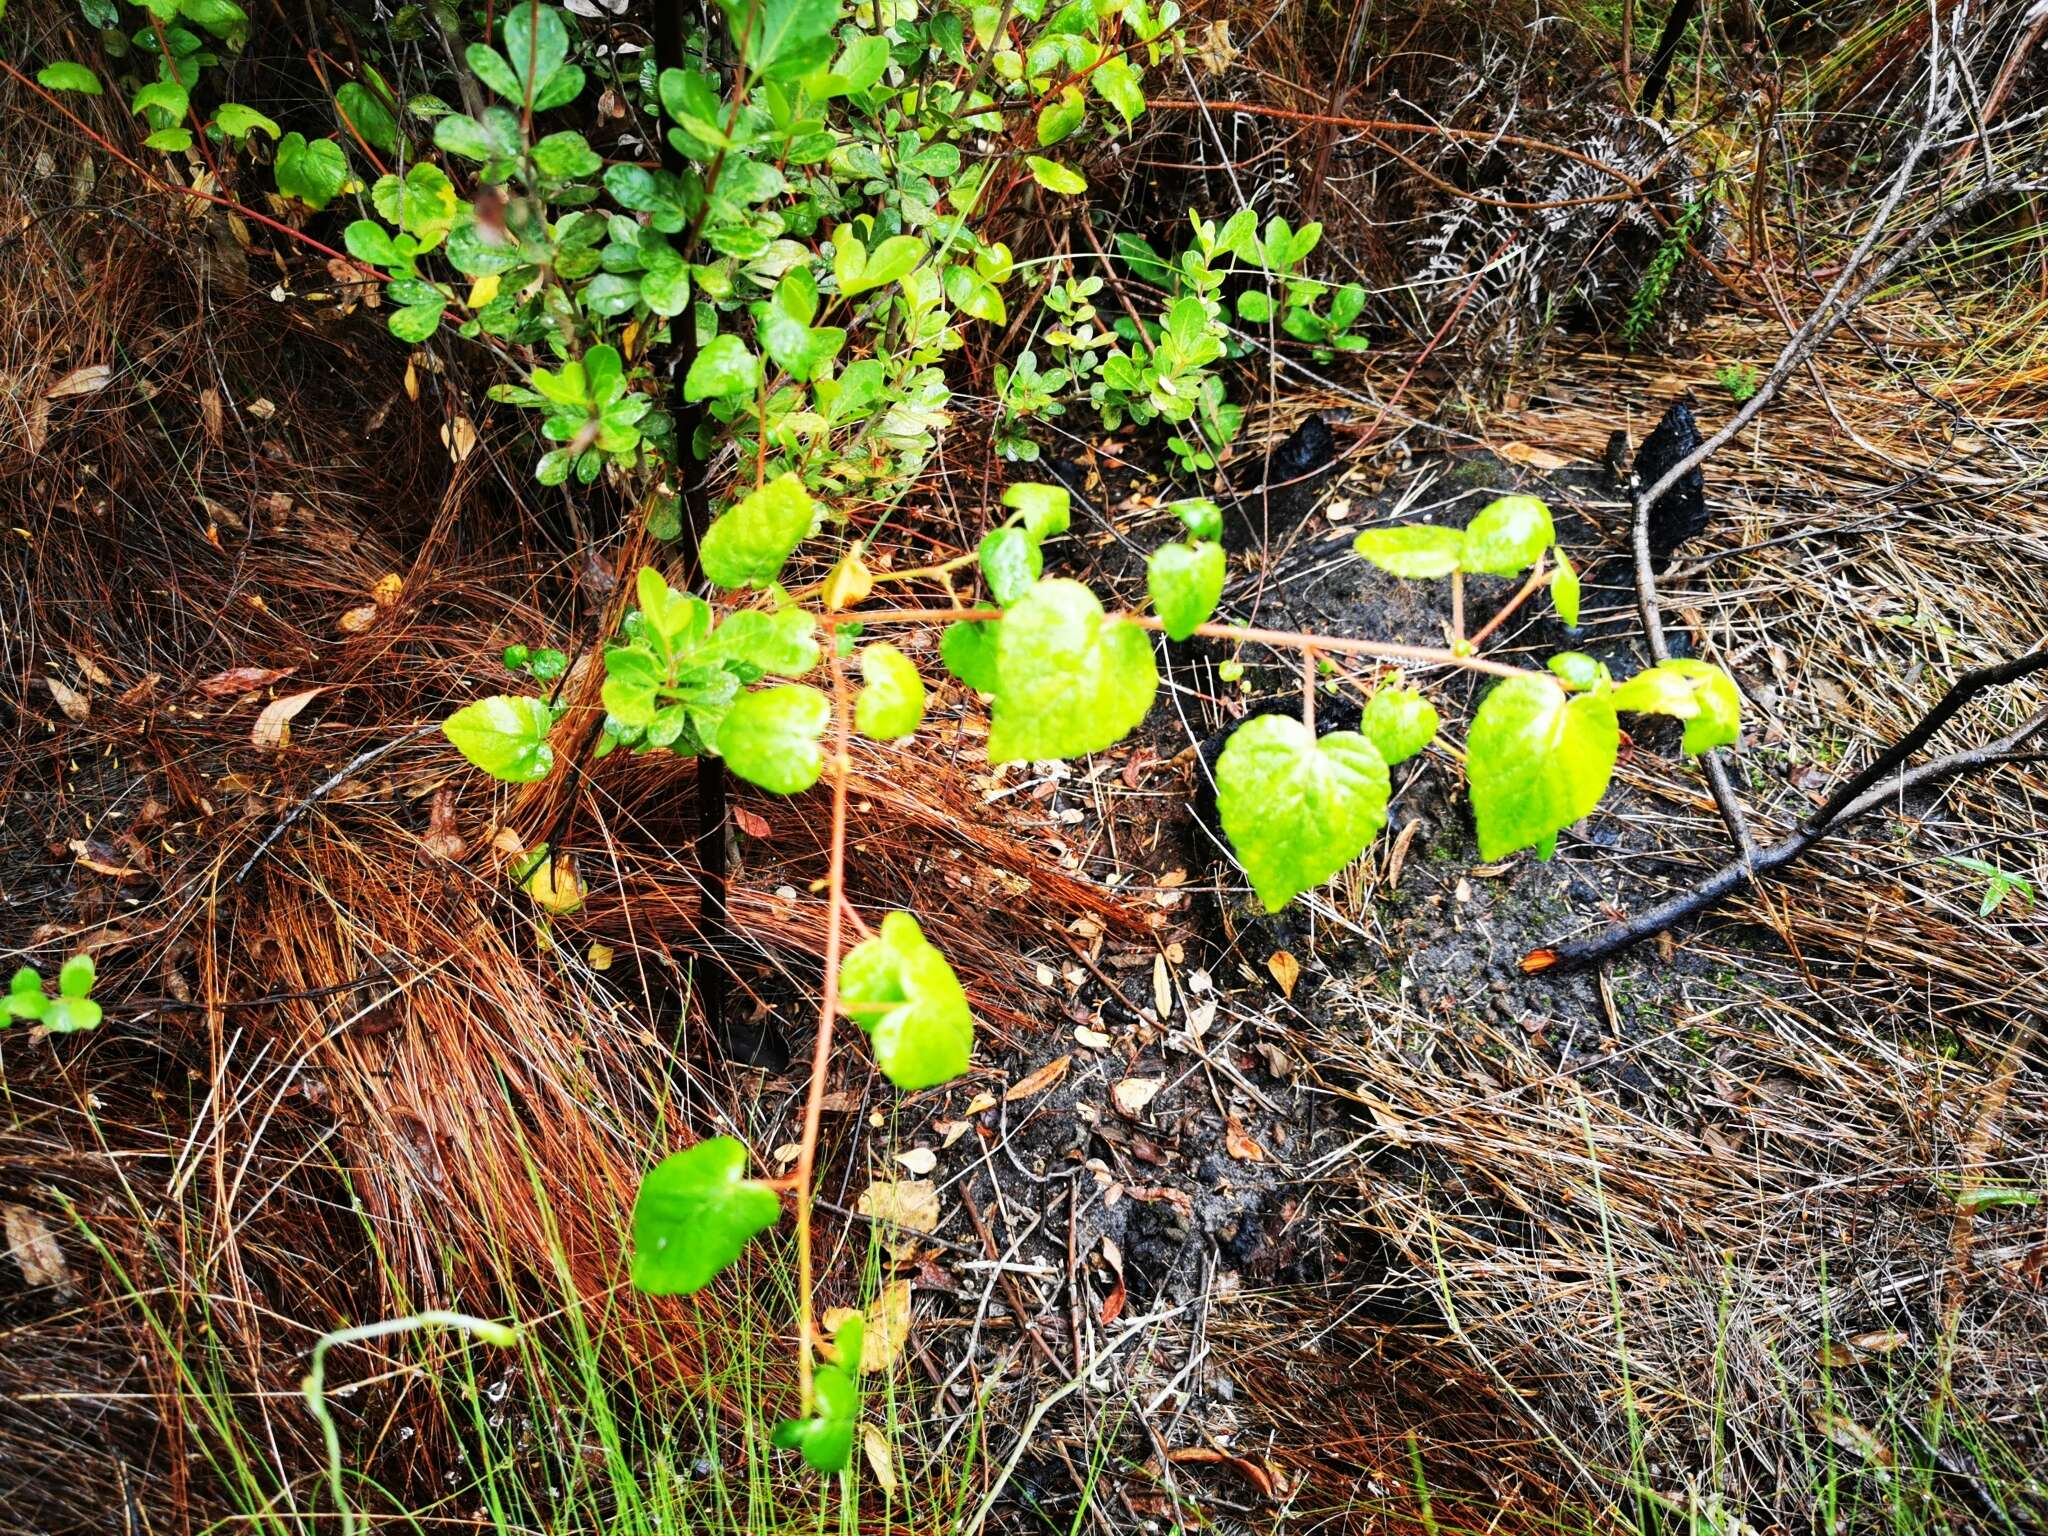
(1884, 779)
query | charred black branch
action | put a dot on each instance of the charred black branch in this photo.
(1884, 780)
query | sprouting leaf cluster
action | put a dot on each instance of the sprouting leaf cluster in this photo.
(71, 1010)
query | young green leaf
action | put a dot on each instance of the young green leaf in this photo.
(1717, 719)
(891, 704)
(901, 990)
(1538, 761)
(1010, 561)
(1564, 590)
(969, 652)
(1200, 516)
(1507, 536)
(314, 172)
(782, 39)
(236, 121)
(755, 644)
(1415, 550)
(1297, 809)
(1055, 177)
(506, 736)
(25, 996)
(1580, 672)
(750, 543)
(1398, 721)
(1043, 509)
(770, 737)
(1185, 582)
(1061, 116)
(365, 111)
(1069, 680)
(64, 75)
(695, 1211)
(826, 1437)
(722, 369)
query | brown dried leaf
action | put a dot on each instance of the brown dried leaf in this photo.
(273, 728)
(881, 1460)
(211, 416)
(1237, 1141)
(918, 1160)
(1133, 1094)
(909, 1203)
(1284, 969)
(753, 823)
(35, 1248)
(356, 620)
(80, 381)
(241, 680)
(387, 589)
(1532, 456)
(459, 438)
(76, 705)
(1039, 1081)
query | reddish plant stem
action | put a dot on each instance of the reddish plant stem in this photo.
(805, 1174)
(1286, 640)
(1538, 579)
(161, 185)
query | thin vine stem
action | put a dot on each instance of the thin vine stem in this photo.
(836, 906)
(1279, 639)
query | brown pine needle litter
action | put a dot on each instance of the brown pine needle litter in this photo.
(1715, 1239)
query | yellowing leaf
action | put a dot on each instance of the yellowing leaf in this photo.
(1535, 458)
(1285, 969)
(1039, 1081)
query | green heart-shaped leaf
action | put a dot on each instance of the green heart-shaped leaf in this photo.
(1399, 722)
(1297, 809)
(1537, 761)
(899, 988)
(825, 1437)
(1507, 536)
(969, 652)
(1069, 680)
(506, 736)
(1011, 561)
(695, 1211)
(891, 705)
(750, 542)
(770, 737)
(1415, 551)
(1185, 582)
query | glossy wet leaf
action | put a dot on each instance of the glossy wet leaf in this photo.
(1537, 761)
(901, 990)
(1399, 722)
(751, 541)
(770, 737)
(1010, 562)
(506, 736)
(1055, 177)
(892, 698)
(1507, 536)
(1415, 551)
(65, 75)
(1044, 510)
(1069, 679)
(1297, 809)
(1200, 516)
(1185, 582)
(1565, 591)
(694, 1214)
(969, 652)
(825, 1435)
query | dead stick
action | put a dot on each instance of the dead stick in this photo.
(1882, 781)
